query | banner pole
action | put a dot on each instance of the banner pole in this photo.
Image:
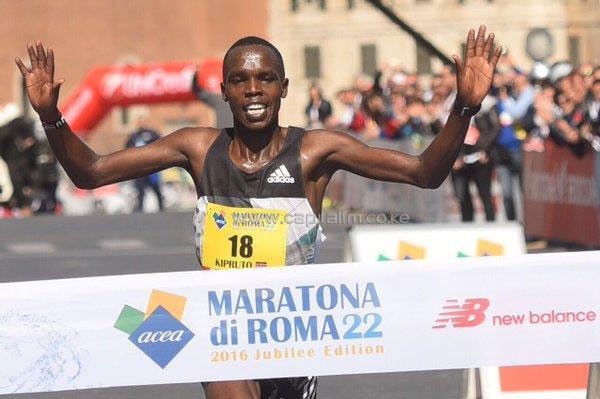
(593, 381)
(471, 384)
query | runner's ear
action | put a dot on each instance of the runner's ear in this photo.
(285, 84)
(223, 96)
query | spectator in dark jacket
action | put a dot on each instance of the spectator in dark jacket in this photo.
(474, 164)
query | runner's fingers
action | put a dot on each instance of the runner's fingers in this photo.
(56, 86)
(470, 44)
(496, 56)
(480, 41)
(50, 61)
(32, 57)
(41, 54)
(488, 46)
(24, 70)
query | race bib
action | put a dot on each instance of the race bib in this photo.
(243, 238)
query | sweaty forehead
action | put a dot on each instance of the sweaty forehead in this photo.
(250, 58)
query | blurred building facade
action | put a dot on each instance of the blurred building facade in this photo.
(333, 41)
(330, 41)
(87, 34)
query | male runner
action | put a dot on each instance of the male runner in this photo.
(258, 170)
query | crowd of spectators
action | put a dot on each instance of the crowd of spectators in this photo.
(522, 111)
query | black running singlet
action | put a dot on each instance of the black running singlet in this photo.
(260, 219)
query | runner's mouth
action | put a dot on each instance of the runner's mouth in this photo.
(255, 110)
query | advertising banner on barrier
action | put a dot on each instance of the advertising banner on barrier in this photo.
(315, 320)
(562, 200)
(435, 241)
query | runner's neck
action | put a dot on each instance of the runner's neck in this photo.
(252, 150)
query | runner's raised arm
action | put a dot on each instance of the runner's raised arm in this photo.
(474, 79)
(86, 168)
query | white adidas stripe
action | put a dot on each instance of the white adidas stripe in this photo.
(284, 170)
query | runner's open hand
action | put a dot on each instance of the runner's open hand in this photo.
(474, 75)
(41, 88)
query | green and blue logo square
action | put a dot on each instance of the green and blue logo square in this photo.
(159, 332)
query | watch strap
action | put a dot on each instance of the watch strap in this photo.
(460, 109)
(56, 124)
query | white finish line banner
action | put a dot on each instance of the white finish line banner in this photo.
(313, 320)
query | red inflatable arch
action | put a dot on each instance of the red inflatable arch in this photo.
(109, 86)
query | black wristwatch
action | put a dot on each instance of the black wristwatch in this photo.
(461, 110)
(55, 125)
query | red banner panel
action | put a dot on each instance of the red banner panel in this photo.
(561, 197)
(109, 86)
(544, 378)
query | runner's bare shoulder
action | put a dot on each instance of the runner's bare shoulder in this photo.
(194, 141)
(324, 141)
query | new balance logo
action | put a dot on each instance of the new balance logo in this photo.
(281, 175)
(470, 314)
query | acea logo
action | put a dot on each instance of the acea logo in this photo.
(220, 220)
(158, 332)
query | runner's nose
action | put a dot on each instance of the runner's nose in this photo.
(253, 87)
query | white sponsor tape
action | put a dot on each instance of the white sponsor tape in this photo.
(314, 320)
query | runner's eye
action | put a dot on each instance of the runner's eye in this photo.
(268, 78)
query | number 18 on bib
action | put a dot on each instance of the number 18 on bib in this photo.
(243, 238)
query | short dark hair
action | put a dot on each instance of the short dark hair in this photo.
(255, 41)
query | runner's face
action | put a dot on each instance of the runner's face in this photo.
(254, 87)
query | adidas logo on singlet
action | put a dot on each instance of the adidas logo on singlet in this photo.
(281, 175)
